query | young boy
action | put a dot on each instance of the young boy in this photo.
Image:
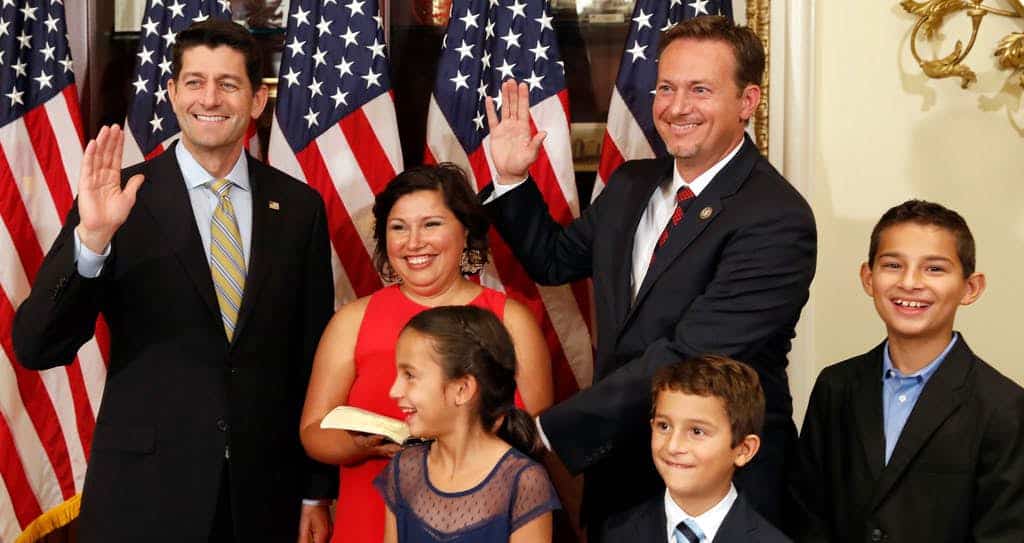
(706, 417)
(918, 439)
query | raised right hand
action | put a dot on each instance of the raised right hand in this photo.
(375, 445)
(102, 204)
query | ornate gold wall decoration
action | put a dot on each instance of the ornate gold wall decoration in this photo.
(932, 14)
(759, 21)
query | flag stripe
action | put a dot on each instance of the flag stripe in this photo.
(39, 407)
(344, 236)
(23, 498)
(74, 115)
(366, 150)
(16, 218)
(47, 154)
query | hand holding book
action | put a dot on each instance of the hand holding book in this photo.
(354, 419)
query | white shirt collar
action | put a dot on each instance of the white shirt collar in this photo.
(698, 184)
(709, 522)
(196, 176)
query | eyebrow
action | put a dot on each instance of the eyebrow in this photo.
(895, 254)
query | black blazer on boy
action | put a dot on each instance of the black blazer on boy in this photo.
(956, 474)
(646, 523)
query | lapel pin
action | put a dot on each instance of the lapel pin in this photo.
(705, 213)
(274, 205)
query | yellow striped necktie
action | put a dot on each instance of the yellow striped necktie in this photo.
(227, 263)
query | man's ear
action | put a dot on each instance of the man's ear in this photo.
(259, 101)
(750, 97)
(746, 449)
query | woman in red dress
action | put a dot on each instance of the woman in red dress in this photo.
(430, 232)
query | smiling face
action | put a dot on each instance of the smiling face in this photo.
(917, 282)
(698, 110)
(691, 443)
(425, 241)
(420, 388)
(214, 101)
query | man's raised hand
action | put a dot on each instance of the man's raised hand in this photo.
(102, 204)
(513, 149)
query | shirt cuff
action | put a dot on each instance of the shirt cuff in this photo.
(543, 436)
(500, 189)
(309, 501)
(89, 264)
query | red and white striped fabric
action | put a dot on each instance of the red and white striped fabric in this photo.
(47, 417)
(348, 165)
(623, 140)
(342, 137)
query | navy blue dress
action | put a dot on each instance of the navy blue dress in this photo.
(516, 491)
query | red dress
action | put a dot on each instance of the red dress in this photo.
(359, 516)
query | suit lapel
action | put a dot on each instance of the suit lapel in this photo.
(651, 524)
(264, 230)
(941, 397)
(737, 524)
(866, 401)
(165, 197)
(725, 184)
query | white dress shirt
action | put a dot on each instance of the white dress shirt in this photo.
(658, 211)
(709, 522)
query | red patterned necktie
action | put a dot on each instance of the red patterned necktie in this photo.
(684, 197)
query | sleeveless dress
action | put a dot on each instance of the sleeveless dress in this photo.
(516, 491)
(359, 514)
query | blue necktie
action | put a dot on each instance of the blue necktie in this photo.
(684, 534)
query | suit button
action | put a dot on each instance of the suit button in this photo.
(222, 425)
(877, 535)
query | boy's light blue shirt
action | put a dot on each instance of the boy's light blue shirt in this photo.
(900, 393)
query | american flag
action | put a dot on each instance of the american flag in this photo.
(335, 126)
(46, 418)
(151, 124)
(487, 42)
(629, 133)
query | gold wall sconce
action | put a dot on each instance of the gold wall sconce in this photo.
(931, 15)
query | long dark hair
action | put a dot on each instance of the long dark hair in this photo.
(472, 341)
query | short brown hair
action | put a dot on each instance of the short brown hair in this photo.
(746, 47)
(214, 33)
(734, 382)
(451, 182)
(927, 214)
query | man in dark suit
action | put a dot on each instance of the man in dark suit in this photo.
(214, 278)
(707, 251)
(917, 439)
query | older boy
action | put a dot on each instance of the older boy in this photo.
(918, 439)
(707, 414)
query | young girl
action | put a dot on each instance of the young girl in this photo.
(475, 481)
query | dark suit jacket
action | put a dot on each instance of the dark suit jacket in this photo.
(646, 523)
(177, 394)
(731, 280)
(956, 474)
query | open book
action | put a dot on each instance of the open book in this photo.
(345, 417)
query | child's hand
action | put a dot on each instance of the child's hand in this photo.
(375, 445)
